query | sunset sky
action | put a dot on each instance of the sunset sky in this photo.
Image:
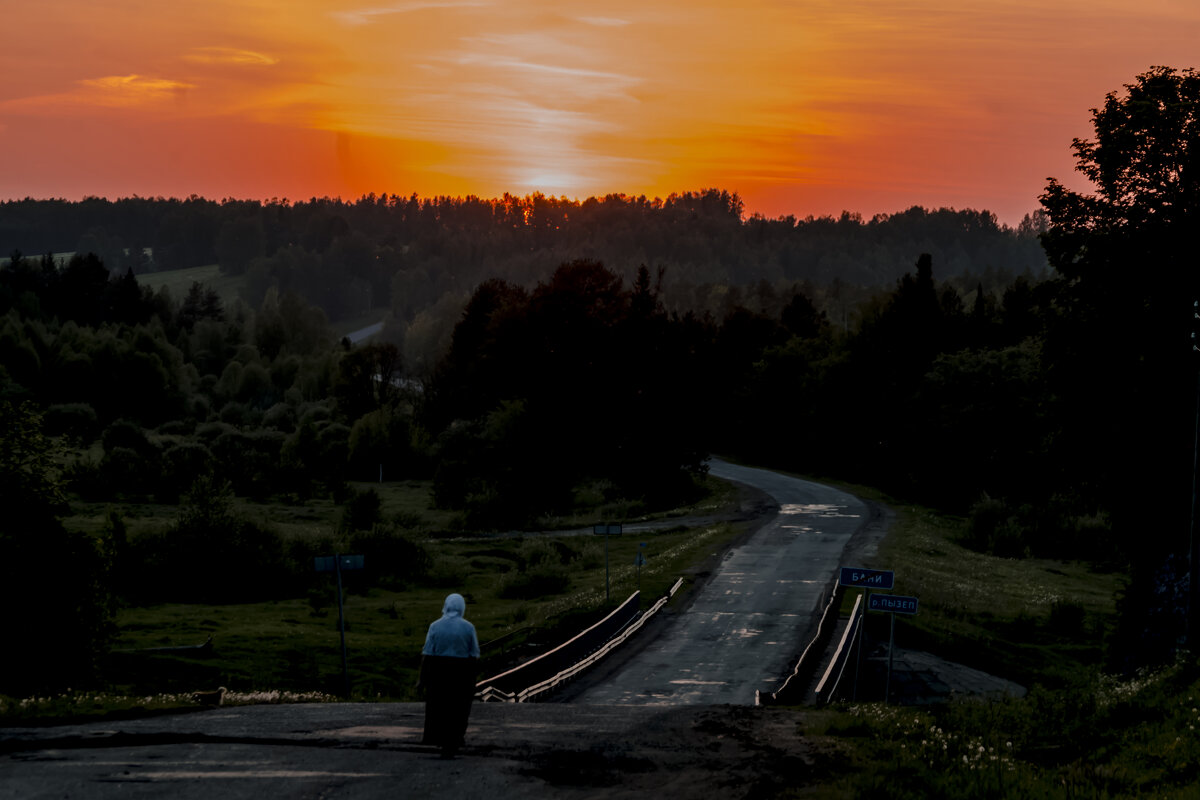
(806, 107)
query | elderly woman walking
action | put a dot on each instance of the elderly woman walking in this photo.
(448, 663)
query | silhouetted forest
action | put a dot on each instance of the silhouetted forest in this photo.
(405, 253)
(1054, 410)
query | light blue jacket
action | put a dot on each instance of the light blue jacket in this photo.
(452, 635)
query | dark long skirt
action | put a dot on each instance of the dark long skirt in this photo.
(449, 690)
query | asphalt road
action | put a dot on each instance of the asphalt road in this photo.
(749, 620)
(654, 727)
(372, 750)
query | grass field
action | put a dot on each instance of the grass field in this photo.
(229, 289)
(1029, 620)
(529, 591)
(179, 281)
(1078, 733)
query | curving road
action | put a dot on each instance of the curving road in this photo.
(738, 635)
(748, 622)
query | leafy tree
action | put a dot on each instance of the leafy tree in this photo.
(367, 379)
(1124, 373)
(200, 303)
(239, 241)
(801, 318)
(54, 583)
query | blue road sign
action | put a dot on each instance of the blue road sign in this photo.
(332, 563)
(606, 530)
(892, 603)
(869, 578)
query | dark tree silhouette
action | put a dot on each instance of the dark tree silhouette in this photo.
(1124, 371)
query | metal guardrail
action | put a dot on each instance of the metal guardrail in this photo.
(797, 682)
(827, 689)
(490, 692)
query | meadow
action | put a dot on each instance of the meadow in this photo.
(178, 281)
(525, 592)
(1081, 731)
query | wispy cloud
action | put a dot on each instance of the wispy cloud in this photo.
(604, 22)
(229, 55)
(109, 91)
(132, 89)
(365, 16)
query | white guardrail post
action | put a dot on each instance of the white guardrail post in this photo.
(830, 681)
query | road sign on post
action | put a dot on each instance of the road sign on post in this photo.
(337, 563)
(892, 603)
(867, 578)
(606, 531)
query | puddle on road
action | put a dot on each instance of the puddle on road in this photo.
(810, 510)
(691, 682)
(745, 633)
(822, 510)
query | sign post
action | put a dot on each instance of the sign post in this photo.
(606, 531)
(638, 561)
(892, 604)
(863, 578)
(336, 563)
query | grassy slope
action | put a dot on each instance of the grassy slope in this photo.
(229, 289)
(1041, 622)
(294, 645)
(1030, 620)
(179, 281)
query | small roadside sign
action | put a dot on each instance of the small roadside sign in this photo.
(892, 603)
(334, 563)
(338, 564)
(606, 530)
(869, 578)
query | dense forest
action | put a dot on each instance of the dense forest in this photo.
(590, 357)
(406, 253)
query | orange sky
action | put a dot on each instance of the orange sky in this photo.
(806, 107)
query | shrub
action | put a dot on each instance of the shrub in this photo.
(540, 581)
(1066, 617)
(128, 472)
(84, 477)
(391, 556)
(71, 419)
(177, 427)
(281, 417)
(361, 510)
(211, 554)
(993, 527)
(124, 433)
(182, 463)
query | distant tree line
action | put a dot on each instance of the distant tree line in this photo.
(406, 253)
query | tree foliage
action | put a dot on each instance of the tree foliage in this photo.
(54, 584)
(1125, 364)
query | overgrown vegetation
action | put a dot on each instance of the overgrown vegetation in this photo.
(529, 591)
(1104, 737)
(1031, 620)
(1045, 623)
